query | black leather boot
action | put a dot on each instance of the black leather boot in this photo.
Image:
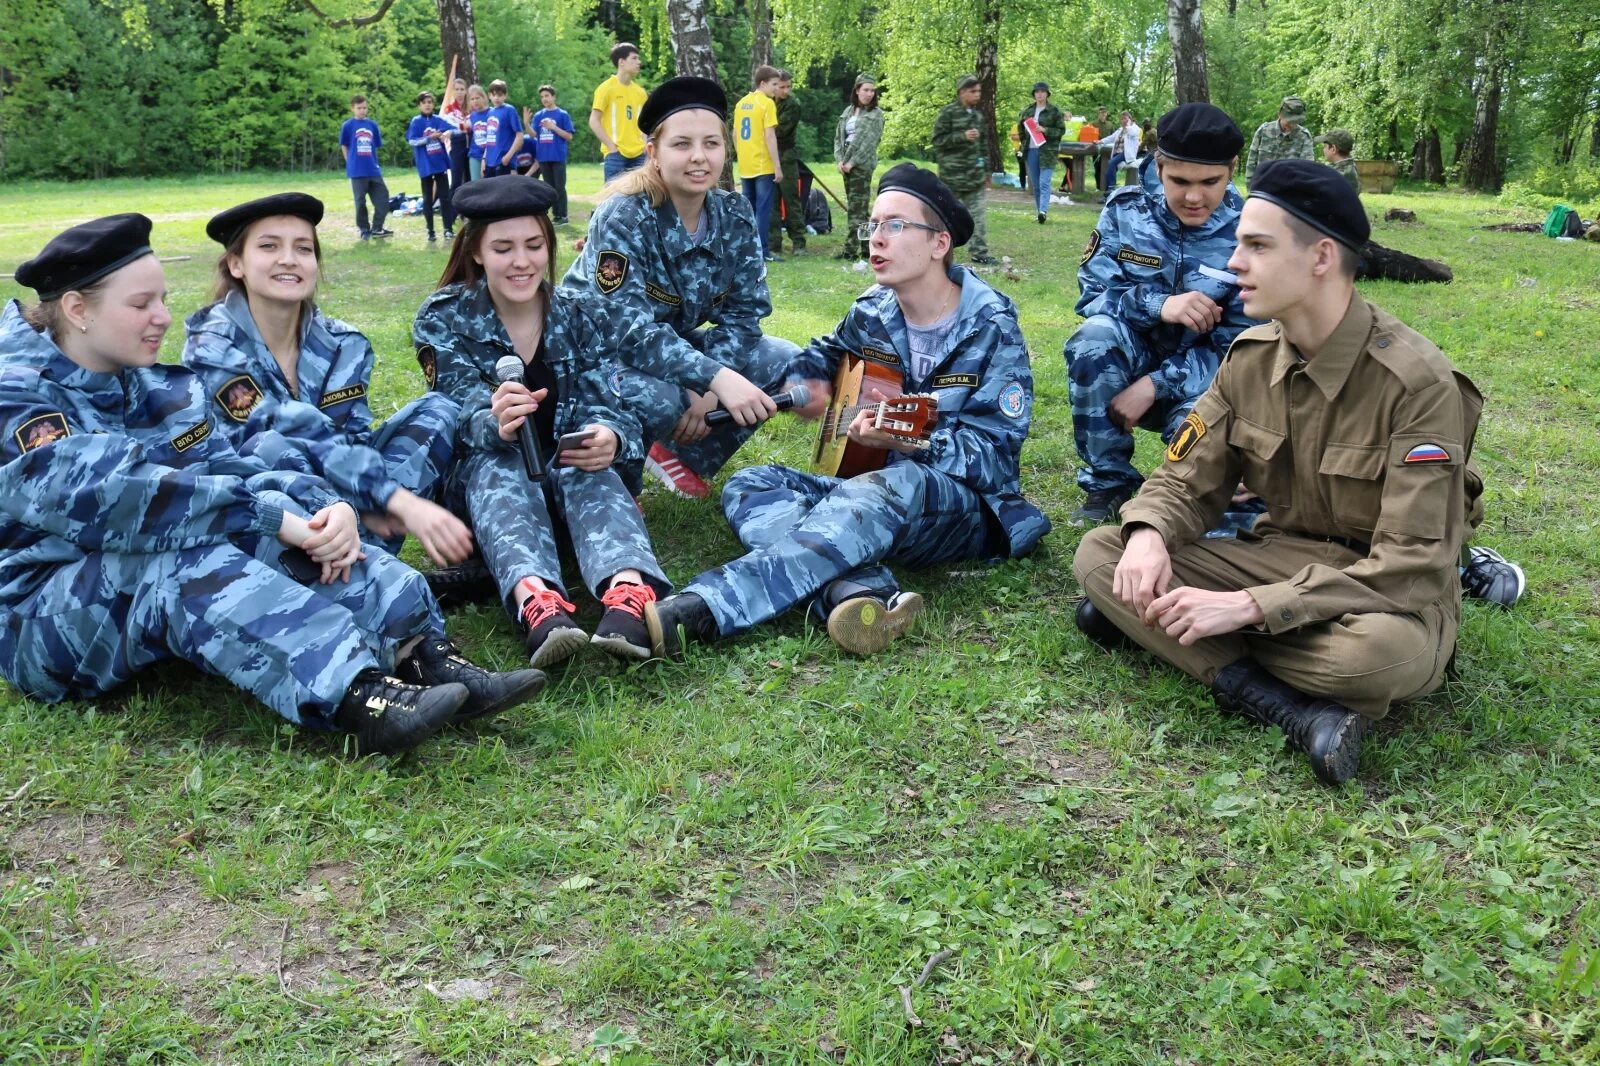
(389, 716)
(439, 662)
(674, 621)
(1100, 629)
(455, 586)
(1328, 733)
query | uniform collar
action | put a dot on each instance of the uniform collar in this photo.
(675, 238)
(1331, 367)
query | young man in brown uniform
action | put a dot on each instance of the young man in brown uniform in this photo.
(1356, 432)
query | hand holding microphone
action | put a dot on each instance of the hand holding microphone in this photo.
(798, 396)
(513, 411)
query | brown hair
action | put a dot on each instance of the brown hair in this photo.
(551, 89)
(46, 316)
(765, 73)
(931, 217)
(1305, 235)
(622, 50)
(358, 99)
(855, 93)
(498, 86)
(462, 269)
(226, 283)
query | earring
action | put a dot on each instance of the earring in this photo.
(83, 329)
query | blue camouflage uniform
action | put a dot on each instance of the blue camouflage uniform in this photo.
(1138, 256)
(459, 339)
(327, 427)
(642, 256)
(958, 499)
(133, 532)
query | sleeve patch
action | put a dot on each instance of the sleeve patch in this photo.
(1013, 400)
(879, 355)
(610, 271)
(614, 383)
(1426, 453)
(1144, 259)
(1089, 249)
(344, 395)
(41, 430)
(428, 360)
(1186, 438)
(190, 437)
(239, 396)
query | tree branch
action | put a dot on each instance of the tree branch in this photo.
(356, 20)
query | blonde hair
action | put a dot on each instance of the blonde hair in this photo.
(647, 179)
(475, 88)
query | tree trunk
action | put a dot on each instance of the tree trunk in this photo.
(1482, 170)
(1433, 157)
(691, 38)
(1186, 32)
(1419, 158)
(988, 74)
(458, 39)
(760, 35)
(1594, 139)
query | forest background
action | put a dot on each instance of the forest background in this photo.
(1479, 93)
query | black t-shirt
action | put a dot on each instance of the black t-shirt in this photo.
(537, 375)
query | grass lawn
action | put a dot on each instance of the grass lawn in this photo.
(742, 857)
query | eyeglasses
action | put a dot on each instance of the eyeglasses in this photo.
(892, 226)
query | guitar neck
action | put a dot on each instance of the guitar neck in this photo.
(837, 423)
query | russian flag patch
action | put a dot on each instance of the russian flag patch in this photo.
(1427, 453)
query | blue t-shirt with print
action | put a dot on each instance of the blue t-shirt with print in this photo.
(504, 125)
(480, 133)
(550, 146)
(361, 138)
(431, 155)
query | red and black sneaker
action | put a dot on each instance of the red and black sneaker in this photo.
(553, 634)
(622, 631)
(671, 471)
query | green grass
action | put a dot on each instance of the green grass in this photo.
(739, 858)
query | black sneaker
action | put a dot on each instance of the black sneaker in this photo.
(676, 620)
(439, 662)
(865, 625)
(1491, 577)
(383, 233)
(553, 634)
(449, 234)
(622, 631)
(432, 238)
(985, 260)
(469, 582)
(1101, 506)
(1041, 218)
(388, 716)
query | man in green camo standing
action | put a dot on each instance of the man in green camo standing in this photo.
(794, 208)
(963, 165)
(1284, 137)
(1337, 144)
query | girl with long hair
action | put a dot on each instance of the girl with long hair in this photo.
(855, 150)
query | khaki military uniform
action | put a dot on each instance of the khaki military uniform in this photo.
(1361, 456)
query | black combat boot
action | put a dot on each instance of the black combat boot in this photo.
(1328, 733)
(456, 586)
(439, 662)
(676, 620)
(388, 716)
(1100, 629)
(864, 620)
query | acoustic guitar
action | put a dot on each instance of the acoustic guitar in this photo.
(909, 418)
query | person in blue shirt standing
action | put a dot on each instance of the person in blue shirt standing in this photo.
(429, 137)
(503, 133)
(478, 119)
(552, 134)
(360, 140)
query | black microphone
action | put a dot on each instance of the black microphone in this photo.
(798, 396)
(509, 368)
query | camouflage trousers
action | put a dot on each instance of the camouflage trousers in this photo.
(793, 215)
(804, 531)
(1103, 358)
(661, 404)
(977, 203)
(516, 525)
(858, 197)
(229, 609)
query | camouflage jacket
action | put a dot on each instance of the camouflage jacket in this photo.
(589, 344)
(1140, 254)
(1270, 142)
(641, 257)
(1347, 169)
(983, 383)
(788, 126)
(128, 462)
(329, 421)
(1054, 127)
(962, 163)
(860, 150)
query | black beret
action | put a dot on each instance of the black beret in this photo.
(502, 196)
(225, 227)
(1317, 195)
(1199, 133)
(84, 254)
(926, 186)
(681, 94)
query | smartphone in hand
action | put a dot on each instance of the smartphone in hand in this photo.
(571, 441)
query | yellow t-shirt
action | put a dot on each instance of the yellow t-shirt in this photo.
(619, 106)
(752, 117)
